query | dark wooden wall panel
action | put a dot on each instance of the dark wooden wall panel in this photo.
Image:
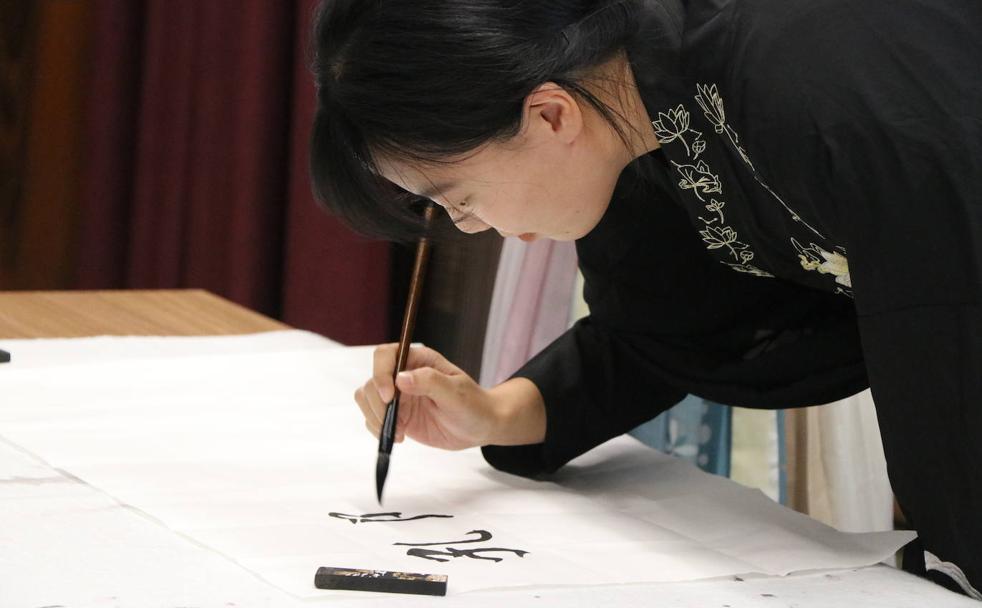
(42, 254)
(18, 27)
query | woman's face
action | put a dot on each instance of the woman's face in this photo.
(553, 180)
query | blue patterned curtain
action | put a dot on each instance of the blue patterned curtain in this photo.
(696, 430)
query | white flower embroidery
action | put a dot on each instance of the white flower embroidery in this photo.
(712, 106)
(715, 206)
(711, 102)
(698, 178)
(816, 258)
(750, 269)
(836, 264)
(673, 125)
(717, 235)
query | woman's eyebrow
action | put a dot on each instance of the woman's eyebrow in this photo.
(435, 189)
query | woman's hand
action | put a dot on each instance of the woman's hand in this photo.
(443, 407)
(440, 406)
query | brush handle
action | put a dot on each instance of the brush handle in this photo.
(387, 434)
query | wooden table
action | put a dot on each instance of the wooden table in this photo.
(73, 314)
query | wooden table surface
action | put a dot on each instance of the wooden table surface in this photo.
(73, 314)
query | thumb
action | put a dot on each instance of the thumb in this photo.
(426, 382)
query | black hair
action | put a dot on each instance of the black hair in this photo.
(426, 80)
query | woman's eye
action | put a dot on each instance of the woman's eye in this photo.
(460, 218)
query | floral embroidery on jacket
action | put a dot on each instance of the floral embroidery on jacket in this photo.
(712, 108)
(814, 257)
(697, 176)
(709, 100)
(674, 126)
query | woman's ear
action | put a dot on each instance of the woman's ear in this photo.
(550, 112)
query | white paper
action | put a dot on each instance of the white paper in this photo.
(48, 352)
(249, 452)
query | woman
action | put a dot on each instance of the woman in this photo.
(774, 202)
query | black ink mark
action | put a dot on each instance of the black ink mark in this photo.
(451, 552)
(482, 535)
(381, 517)
(471, 553)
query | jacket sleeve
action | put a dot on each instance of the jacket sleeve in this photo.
(594, 386)
(667, 320)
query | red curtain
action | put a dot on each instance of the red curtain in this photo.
(195, 171)
(43, 46)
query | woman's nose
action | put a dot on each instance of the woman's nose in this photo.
(472, 226)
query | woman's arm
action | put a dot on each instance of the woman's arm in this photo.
(521, 413)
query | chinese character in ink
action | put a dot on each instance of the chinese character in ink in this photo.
(418, 549)
(381, 517)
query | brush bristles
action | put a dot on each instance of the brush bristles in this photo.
(381, 472)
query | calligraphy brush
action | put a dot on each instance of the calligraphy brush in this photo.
(388, 433)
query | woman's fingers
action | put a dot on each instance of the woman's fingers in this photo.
(451, 411)
(406, 407)
(374, 423)
(428, 382)
(373, 409)
(361, 399)
(383, 367)
(375, 401)
(431, 375)
(424, 356)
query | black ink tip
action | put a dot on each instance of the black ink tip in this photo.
(381, 472)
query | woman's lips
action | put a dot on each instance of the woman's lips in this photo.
(525, 236)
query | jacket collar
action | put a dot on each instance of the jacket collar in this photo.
(655, 53)
(676, 43)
